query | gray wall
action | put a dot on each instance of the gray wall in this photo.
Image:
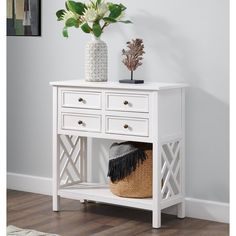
(185, 40)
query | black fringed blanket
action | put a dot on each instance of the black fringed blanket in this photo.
(123, 159)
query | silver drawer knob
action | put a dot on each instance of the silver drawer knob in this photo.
(80, 99)
(80, 122)
(126, 126)
(126, 102)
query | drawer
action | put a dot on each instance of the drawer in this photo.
(127, 102)
(81, 122)
(127, 126)
(81, 99)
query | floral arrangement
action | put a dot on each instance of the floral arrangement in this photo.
(92, 17)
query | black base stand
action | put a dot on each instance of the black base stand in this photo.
(129, 81)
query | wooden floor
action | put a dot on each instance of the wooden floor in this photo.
(27, 210)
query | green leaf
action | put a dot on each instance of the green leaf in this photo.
(85, 27)
(60, 14)
(67, 8)
(77, 7)
(126, 21)
(65, 32)
(115, 10)
(97, 30)
(111, 6)
(109, 20)
(77, 24)
(123, 7)
(99, 1)
(71, 22)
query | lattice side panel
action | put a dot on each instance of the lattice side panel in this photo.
(170, 169)
(70, 160)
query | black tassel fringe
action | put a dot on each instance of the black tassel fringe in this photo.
(121, 167)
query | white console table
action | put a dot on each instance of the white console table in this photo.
(150, 112)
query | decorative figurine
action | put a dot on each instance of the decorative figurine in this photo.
(132, 58)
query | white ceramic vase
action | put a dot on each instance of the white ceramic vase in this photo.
(96, 60)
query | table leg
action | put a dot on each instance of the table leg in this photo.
(56, 153)
(83, 163)
(56, 178)
(156, 189)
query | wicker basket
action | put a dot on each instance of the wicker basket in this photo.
(138, 184)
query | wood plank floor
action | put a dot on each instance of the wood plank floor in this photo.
(28, 210)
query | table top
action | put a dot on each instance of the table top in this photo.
(116, 85)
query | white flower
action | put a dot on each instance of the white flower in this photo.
(90, 15)
(68, 14)
(90, 5)
(102, 9)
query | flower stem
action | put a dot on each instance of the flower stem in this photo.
(105, 24)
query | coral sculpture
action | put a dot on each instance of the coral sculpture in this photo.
(133, 55)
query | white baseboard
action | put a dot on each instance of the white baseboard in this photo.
(207, 210)
(195, 208)
(29, 183)
(204, 209)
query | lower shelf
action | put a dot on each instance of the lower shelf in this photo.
(101, 193)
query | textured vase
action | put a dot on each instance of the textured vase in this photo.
(96, 60)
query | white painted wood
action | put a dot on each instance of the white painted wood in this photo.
(81, 122)
(30, 183)
(83, 162)
(171, 171)
(177, 199)
(103, 112)
(107, 136)
(127, 102)
(101, 193)
(83, 166)
(156, 213)
(181, 206)
(151, 86)
(55, 150)
(207, 210)
(170, 112)
(70, 158)
(156, 165)
(89, 149)
(127, 126)
(196, 208)
(80, 99)
(152, 112)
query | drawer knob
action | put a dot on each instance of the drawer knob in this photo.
(80, 122)
(80, 99)
(126, 126)
(126, 102)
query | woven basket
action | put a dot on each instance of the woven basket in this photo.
(138, 184)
